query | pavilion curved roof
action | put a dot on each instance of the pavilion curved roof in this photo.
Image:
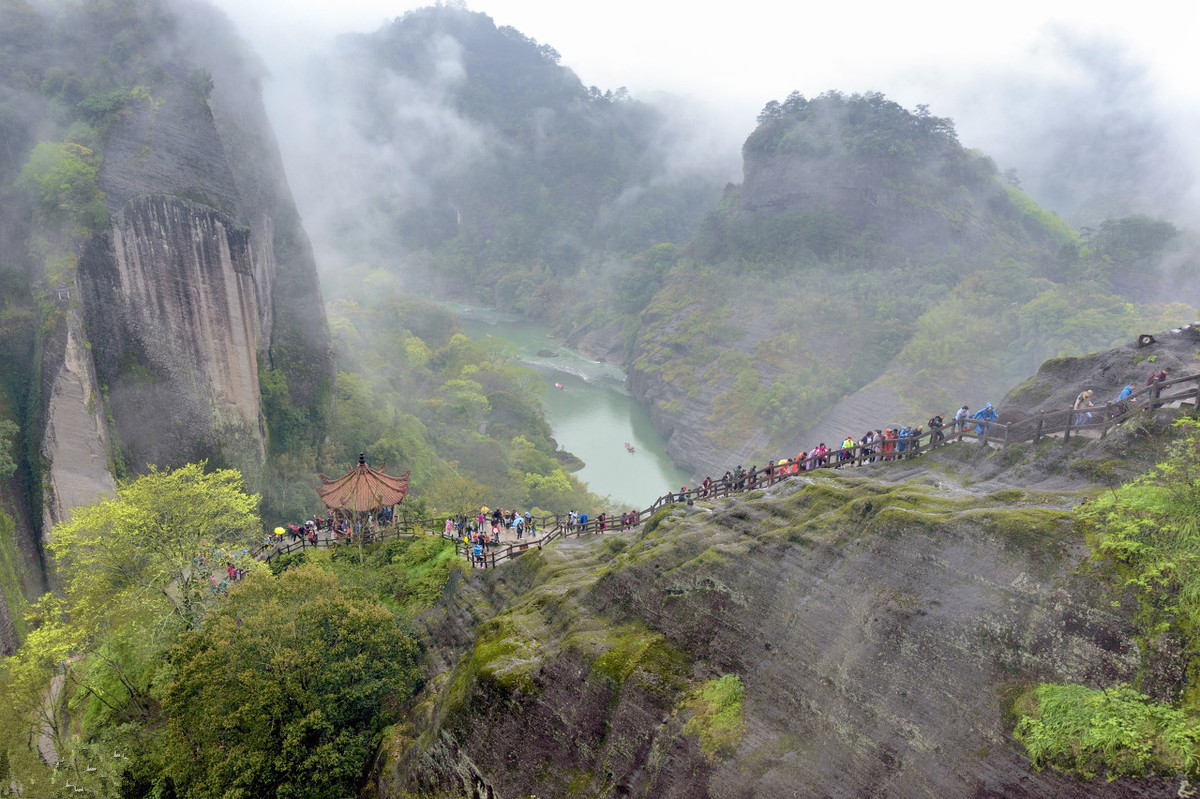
(363, 489)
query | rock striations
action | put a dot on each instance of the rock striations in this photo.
(881, 624)
(203, 277)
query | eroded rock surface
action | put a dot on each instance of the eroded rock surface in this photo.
(881, 632)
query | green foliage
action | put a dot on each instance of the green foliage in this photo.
(409, 575)
(718, 715)
(1117, 732)
(8, 437)
(101, 108)
(285, 689)
(61, 178)
(1055, 228)
(10, 573)
(44, 656)
(288, 427)
(1150, 530)
(138, 550)
(464, 416)
(868, 124)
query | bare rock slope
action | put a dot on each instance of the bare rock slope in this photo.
(881, 623)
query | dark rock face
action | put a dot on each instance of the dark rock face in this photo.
(881, 633)
(204, 271)
(171, 298)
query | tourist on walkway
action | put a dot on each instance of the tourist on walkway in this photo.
(936, 423)
(961, 420)
(984, 416)
(1084, 400)
(1155, 381)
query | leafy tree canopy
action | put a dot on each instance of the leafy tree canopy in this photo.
(284, 689)
(140, 549)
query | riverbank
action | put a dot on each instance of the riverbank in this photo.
(590, 410)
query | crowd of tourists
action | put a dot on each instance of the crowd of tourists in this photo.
(483, 530)
(217, 567)
(900, 442)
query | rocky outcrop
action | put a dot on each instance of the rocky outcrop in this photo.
(171, 301)
(204, 275)
(206, 267)
(75, 443)
(881, 632)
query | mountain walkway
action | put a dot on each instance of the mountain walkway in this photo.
(1098, 421)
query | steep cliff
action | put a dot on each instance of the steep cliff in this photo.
(171, 301)
(869, 271)
(154, 232)
(879, 624)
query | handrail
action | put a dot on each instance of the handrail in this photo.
(1033, 428)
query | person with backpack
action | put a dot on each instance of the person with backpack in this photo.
(935, 430)
(1084, 400)
(960, 420)
(1120, 405)
(1155, 382)
(914, 440)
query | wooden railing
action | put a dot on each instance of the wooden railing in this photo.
(1098, 419)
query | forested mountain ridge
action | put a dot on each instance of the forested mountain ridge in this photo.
(505, 179)
(865, 250)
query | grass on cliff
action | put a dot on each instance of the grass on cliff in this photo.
(1115, 732)
(718, 719)
(1148, 533)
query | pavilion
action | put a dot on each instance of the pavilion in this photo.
(363, 490)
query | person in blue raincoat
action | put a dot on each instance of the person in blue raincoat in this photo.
(1121, 407)
(984, 415)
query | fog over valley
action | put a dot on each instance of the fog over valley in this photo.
(655, 400)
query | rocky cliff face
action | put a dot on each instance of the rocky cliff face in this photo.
(880, 629)
(203, 277)
(205, 267)
(171, 297)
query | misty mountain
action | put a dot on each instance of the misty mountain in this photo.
(1090, 135)
(154, 266)
(469, 145)
(867, 249)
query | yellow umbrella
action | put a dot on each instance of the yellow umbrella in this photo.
(278, 531)
(484, 509)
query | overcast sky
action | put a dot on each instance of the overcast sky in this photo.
(756, 50)
(982, 64)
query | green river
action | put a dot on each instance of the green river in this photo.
(593, 415)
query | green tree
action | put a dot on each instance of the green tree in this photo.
(34, 679)
(8, 434)
(139, 550)
(284, 690)
(62, 179)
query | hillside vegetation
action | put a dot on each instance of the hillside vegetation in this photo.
(866, 247)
